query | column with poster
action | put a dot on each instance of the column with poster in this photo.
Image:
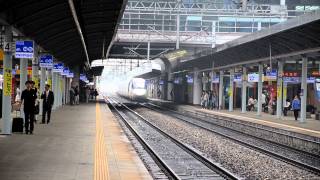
(7, 83)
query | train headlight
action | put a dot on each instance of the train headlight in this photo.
(139, 92)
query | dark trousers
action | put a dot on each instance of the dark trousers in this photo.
(285, 111)
(29, 120)
(296, 113)
(48, 112)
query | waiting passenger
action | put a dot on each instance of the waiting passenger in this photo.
(296, 106)
(274, 106)
(76, 95)
(286, 107)
(95, 94)
(202, 99)
(28, 99)
(251, 103)
(214, 100)
(48, 99)
(71, 96)
(206, 99)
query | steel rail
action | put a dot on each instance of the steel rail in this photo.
(193, 152)
(280, 157)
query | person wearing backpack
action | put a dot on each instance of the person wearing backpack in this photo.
(296, 106)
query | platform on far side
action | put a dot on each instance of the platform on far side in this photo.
(66, 149)
(311, 127)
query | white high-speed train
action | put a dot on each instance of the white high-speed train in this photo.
(134, 89)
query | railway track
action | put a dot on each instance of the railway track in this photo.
(176, 159)
(286, 154)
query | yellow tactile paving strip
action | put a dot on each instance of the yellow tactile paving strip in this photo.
(268, 123)
(123, 162)
(101, 171)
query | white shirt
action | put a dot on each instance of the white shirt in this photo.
(263, 98)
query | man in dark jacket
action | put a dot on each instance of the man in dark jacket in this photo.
(28, 99)
(48, 99)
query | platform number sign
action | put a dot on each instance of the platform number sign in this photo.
(7, 46)
(24, 49)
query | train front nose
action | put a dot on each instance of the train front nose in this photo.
(139, 92)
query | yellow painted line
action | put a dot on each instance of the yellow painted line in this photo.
(101, 170)
(267, 122)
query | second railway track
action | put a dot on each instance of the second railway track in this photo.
(295, 157)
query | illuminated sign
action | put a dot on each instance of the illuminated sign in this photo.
(24, 49)
(46, 61)
(254, 77)
(237, 78)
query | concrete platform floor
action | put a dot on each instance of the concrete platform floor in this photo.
(65, 149)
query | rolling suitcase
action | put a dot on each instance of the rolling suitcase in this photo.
(17, 125)
(17, 122)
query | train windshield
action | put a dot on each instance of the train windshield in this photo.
(138, 83)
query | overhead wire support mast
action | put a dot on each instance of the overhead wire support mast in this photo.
(75, 18)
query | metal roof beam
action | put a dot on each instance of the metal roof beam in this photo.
(75, 18)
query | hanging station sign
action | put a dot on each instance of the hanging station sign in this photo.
(70, 75)
(24, 49)
(291, 79)
(237, 78)
(46, 61)
(57, 67)
(215, 80)
(271, 75)
(65, 71)
(254, 77)
(83, 77)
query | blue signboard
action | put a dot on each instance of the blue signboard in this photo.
(311, 80)
(215, 80)
(70, 75)
(237, 78)
(24, 49)
(46, 61)
(83, 77)
(65, 71)
(57, 67)
(291, 79)
(271, 75)
(190, 79)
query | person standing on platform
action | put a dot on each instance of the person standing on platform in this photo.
(76, 95)
(36, 107)
(286, 107)
(95, 94)
(72, 96)
(296, 106)
(48, 99)
(87, 94)
(28, 99)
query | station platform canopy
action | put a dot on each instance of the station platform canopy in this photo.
(52, 25)
(290, 38)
